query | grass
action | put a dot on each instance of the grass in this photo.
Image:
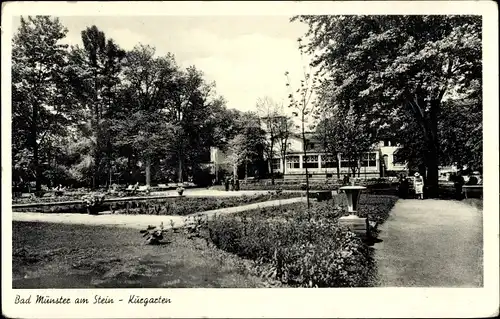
(77, 256)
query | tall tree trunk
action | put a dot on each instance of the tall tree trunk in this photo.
(432, 176)
(304, 148)
(38, 169)
(180, 172)
(36, 160)
(148, 171)
(338, 165)
(246, 170)
(432, 160)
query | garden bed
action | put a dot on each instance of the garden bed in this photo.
(167, 206)
(304, 248)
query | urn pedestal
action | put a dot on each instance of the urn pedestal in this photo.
(356, 224)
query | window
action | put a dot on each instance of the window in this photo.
(310, 146)
(311, 161)
(369, 160)
(397, 160)
(344, 162)
(275, 163)
(328, 161)
(292, 162)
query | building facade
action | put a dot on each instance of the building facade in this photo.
(379, 162)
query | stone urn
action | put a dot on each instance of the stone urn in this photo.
(353, 193)
(356, 224)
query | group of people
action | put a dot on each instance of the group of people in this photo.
(404, 186)
(231, 183)
(418, 184)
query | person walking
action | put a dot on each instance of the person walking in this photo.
(418, 184)
(237, 185)
(226, 183)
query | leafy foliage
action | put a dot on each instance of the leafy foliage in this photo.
(300, 249)
(97, 114)
(382, 66)
(39, 103)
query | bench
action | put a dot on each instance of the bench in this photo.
(321, 195)
(472, 191)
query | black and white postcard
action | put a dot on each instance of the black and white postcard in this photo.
(250, 159)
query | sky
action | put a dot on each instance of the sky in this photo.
(247, 56)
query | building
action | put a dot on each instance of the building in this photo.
(379, 162)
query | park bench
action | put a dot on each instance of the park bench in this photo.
(144, 188)
(472, 191)
(321, 195)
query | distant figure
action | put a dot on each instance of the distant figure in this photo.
(226, 183)
(418, 184)
(403, 186)
(237, 185)
(458, 182)
(346, 180)
(231, 181)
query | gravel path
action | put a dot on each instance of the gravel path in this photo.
(431, 243)
(138, 221)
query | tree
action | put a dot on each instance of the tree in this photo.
(38, 101)
(385, 64)
(96, 75)
(192, 109)
(248, 145)
(327, 131)
(283, 132)
(301, 101)
(147, 81)
(269, 113)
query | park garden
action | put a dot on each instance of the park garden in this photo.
(111, 181)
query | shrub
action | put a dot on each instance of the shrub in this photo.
(301, 252)
(300, 247)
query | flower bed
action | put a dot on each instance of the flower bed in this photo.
(303, 248)
(298, 252)
(189, 205)
(168, 206)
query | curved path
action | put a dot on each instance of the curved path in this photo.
(431, 243)
(140, 221)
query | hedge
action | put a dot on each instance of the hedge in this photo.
(300, 247)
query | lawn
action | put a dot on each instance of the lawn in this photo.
(77, 256)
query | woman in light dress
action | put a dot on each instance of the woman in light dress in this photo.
(418, 184)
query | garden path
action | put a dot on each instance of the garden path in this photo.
(431, 243)
(139, 221)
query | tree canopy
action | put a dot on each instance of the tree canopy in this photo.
(384, 66)
(94, 114)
